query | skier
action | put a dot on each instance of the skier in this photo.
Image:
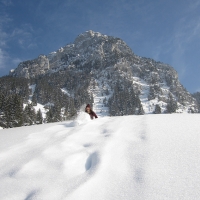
(90, 112)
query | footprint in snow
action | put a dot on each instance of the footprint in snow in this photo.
(31, 195)
(79, 163)
(91, 161)
(87, 145)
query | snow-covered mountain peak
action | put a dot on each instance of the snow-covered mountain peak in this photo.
(108, 61)
(94, 40)
(91, 33)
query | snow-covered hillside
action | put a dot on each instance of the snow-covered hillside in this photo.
(149, 157)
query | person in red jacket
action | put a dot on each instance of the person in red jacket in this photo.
(90, 112)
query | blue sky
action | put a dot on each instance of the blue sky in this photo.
(165, 30)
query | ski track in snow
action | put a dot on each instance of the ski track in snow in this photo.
(131, 157)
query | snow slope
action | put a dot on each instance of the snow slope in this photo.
(150, 157)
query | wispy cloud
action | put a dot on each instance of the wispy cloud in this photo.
(3, 58)
(4, 20)
(9, 31)
(194, 5)
(23, 35)
(16, 61)
(32, 46)
(187, 30)
(7, 2)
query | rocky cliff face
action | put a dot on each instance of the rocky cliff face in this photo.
(109, 61)
(32, 68)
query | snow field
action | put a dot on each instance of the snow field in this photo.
(130, 157)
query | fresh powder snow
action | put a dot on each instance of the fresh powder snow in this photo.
(149, 157)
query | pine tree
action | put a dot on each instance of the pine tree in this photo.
(25, 118)
(29, 114)
(49, 116)
(57, 113)
(39, 118)
(171, 104)
(151, 93)
(157, 109)
(124, 101)
(8, 111)
(72, 111)
(18, 109)
(34, 99)
(140, 110)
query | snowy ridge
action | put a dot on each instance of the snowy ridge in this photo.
(128, 157)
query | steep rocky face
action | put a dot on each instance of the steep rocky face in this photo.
(90, 50)
(109, 61)
(32, 68)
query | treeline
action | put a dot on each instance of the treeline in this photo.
(63, 93)
(11, 110)
(12, 113)
(62, 105)
(48, 89)
(15, 94)
(12, 85)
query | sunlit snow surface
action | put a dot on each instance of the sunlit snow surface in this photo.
(150, 157)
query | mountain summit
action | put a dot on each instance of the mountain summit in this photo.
(103, 71)
(89, 50)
